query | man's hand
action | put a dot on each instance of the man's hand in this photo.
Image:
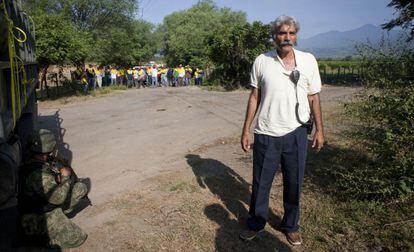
(254, 101)
(245, 141)
(65, 171)
(318, 140)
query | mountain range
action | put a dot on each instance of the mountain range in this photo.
(336, 44)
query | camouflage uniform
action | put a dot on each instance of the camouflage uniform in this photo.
(44, 202)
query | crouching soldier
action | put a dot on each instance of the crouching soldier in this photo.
(49, 191)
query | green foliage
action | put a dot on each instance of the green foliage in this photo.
(87, 15)
(57, 41)
(75, 31)
(126, 45)
(385, 112)
(233, 50)
(389, 67)
(405, 17)
(185, 33)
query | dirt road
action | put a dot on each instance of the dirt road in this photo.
(121, 140)
(134, 147)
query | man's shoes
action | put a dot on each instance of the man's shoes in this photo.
(294, 238)
(248, 234)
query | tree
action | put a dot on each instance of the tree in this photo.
(97, 25)
(405, 9)
(57, 42)
(233, 50)
(185, 33)
(126, 45)
(144, 41)
(88, 15)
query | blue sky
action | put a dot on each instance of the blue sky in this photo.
(315, 16)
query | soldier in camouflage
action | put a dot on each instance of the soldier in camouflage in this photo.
(49, 191)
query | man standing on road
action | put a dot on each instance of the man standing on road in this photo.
(154, 75)
(181, 74)
(91, 78)
(280, 80)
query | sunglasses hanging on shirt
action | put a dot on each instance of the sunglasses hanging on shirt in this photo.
(294, 77)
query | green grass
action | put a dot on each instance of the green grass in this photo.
(184, 187)
(357, 225)
(334, 217)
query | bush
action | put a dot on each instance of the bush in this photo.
(233, 50)
(384, 111)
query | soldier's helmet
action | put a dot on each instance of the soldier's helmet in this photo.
(42, 141)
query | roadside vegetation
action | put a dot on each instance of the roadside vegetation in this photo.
(368, 174)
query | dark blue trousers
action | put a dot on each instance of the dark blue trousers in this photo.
(288, 151)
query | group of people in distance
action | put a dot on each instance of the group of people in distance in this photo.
(153, 76)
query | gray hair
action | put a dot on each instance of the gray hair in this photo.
(284, 20)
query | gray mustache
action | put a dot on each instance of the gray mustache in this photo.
(286, 42)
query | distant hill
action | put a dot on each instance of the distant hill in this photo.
(335, 44)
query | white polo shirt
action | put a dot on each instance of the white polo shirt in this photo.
(154, 73)
(276, 112)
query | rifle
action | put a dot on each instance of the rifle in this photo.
(56, 164)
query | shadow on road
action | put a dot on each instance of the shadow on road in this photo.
(38, 216)
(234, 192)
(54, 123)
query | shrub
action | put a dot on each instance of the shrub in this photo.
(384, 111)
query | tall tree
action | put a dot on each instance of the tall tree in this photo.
(131, 43)
(185, 34)
(88, 15)
(57, 42)
(106, 28)
(405, 9)
(233, 50)
(95, 14)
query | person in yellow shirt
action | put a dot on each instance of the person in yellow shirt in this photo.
(84, 81)
(135, 76)
(196, 76)
(181, 74)
(142, 76)
(77, 74)
(149, 78)
(99, 75)
(120, 76)
(164, 80)
(199, 78)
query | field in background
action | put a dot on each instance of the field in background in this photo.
(346, 71)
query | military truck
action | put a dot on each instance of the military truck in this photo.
(18, 108)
